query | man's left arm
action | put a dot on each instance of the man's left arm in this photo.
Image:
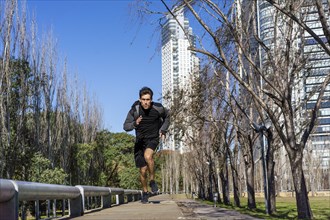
(166, 122)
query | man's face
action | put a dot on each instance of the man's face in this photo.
(145, 101)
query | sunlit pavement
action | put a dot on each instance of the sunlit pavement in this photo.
(164, 207)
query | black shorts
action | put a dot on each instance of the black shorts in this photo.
(139, 148)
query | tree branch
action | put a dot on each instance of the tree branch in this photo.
(300, 23)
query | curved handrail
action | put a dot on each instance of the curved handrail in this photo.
(14, 191)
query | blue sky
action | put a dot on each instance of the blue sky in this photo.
(105, 45)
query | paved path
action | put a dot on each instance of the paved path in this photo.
(159, 207)
(164, 207)
(197, 211)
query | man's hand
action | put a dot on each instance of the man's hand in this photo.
(138, 120)
(162, 136)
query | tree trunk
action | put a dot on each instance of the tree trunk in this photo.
(249, 171)
(201, 191)
(234, 173)
(216, 179)
(271, 200)
(210, 182)
(303, 206)
(225, 184)
(236, 189)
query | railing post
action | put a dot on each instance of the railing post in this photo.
(36, 209)
(8, 200)
(120, 195)
(54, 208)
(76, 206)
(129, 198)
(63, 207)
(48, 208)
(120, 199)
(23, 210)
(138, 195)
(106, 200)
(132, 195)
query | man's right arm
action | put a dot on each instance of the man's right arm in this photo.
(130, 123)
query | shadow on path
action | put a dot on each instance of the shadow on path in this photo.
(195, 210)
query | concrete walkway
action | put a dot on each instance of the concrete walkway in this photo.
(159, 207)
(164, 207)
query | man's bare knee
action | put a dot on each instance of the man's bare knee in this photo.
(143, 170)
(148, 158)
(148, 155)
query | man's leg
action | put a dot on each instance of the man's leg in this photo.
(148, 156)
(143, 178)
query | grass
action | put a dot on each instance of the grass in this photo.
(285, 208)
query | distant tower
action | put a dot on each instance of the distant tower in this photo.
(178, 63)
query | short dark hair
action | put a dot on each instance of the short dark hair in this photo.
(146, 90)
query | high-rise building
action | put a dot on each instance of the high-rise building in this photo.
(318, 66)
(179, 66)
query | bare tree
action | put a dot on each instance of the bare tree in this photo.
(283, 63)
(48, 69)
(32, 118)
(5, 80)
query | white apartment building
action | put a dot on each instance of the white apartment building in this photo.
(179, 65)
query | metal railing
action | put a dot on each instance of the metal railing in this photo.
(12, 192)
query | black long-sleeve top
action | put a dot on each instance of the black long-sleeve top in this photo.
(156, 119)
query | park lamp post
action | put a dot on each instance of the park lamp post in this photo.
(215, 199)
(261, 129)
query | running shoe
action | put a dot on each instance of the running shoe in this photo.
(153, 186)
(144, 198)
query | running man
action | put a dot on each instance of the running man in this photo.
(150, 121)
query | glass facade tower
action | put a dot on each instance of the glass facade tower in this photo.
(318, 66)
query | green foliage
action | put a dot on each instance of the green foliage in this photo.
(84, 156)
(40, 171)
(53, 176)
(129, 175)
(108, 161)
(119, 160)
